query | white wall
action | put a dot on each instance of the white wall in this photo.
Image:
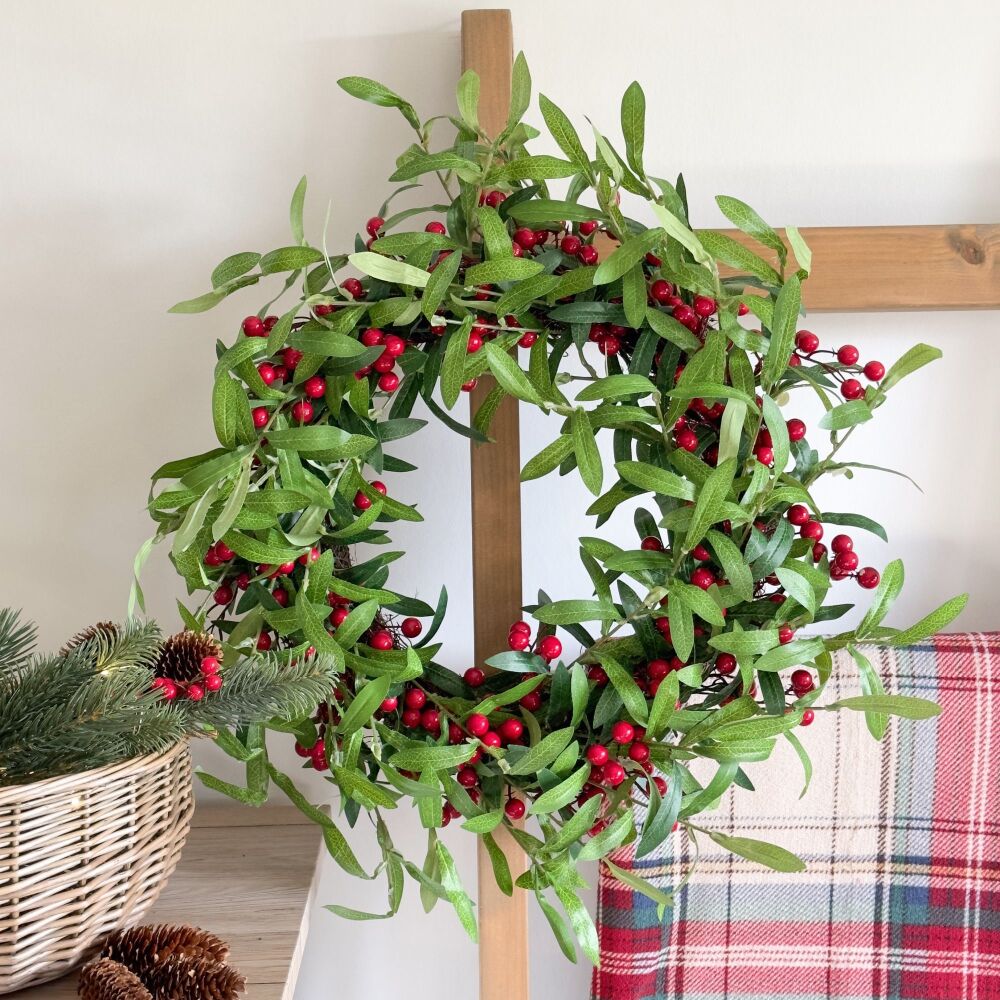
(140, 147)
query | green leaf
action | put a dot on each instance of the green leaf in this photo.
(532, 168)
(857, 411)
(791, 654)
(580, 920)
(425, 163)
(770, 855)
(573, 612)
(484, 823)
(356, 624)
(364, 705)
(564, 134)
(786, 316)
(516, 693)
(588, 458)
(698, 601)
(803, 756)
(295, 211)
(193, 521)
(289, 259)
(731, 429)
(231, 413)
(737, 256)
(886, 593)
(384, 269)
(492, 272)
(731, 559)
(803, 255)
(559, 929)
(871, 686)
(548, 210)
(520, 92)
(778, 430)
(321, 439)
(468, 98)
(905, 706)
(608, 839)
(687, 239)
(376, 93)
(509, 375)
(543, 753)
(798, 587)
(639, 884)
(932, 623)
(432, 758)
(549, 458)
(625, 257)
(453, 365)
(633, 117)
(562, 794)
(495, 235)
(234, 503)
(741, 215)
(708, 507)
(622, 681)
(670, 330)
(751, 643)
(615, 387)
(854, 521)
(439, 283)
(234, 267)
(457, 896)
(914, 359)
(651, 477)
(253, 550)
(501, 867)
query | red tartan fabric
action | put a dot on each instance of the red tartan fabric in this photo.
(901, 900)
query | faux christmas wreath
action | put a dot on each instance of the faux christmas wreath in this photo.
(686, 662)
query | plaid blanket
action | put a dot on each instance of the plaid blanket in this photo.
(901, 898)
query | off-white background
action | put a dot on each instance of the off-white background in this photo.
(143, 144)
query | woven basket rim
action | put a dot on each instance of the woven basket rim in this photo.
(13, 794)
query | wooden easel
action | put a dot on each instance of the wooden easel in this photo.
(857, 269)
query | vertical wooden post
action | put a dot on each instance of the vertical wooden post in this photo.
(488, 48)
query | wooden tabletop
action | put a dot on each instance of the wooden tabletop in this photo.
(246, 875)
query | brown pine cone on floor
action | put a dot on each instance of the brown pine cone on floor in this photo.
(104, 979)
(143, 949)
(181, 655)
(182, 978)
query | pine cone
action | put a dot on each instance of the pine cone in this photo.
(184, 978)
(144, 949)
(104, 979)
(181, 655)
(110, 629)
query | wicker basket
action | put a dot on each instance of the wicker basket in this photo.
(84, 854)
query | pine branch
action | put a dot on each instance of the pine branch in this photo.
(17, 641)
(258, 688)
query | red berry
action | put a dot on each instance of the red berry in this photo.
(811, 529)
(802, 682)
(869, 578)
(725, 663)
(661, 785)
(494, 198)
(195, 692)
(435, 227)
(806, 342)
(474, 677)
(765, 455)
(338, 616)
(521, 626)
(491, 739)
(528, 339)
(656, 670)
(411, 718)
(389, 705)
(291, 358)
(470, 385)
(798, 514)
(511, 729)
(623, 732)
(266, 373)
(785, 634)
(848, 355)
(597, 754)
(467, 777)
(415, 698)
(571, 245)
(362, 501)
(394, 346)
(597, 675)
(874, 371)
(166, 687)
(613, 773)
(374, 224)
(609, 346)
(210, 665)
(411, 627)
(742, 309)
(380, 640)
(213, 683)
(514, 809)
(660, 290)
(846, 562)
(549, 648)
(807, 717)
(586, 228)
(518, 641)
(430, 720)
(477, 724)
(704, 306)
(353, 287)
(302, 411)
(280, 373)
(525, 238)
(223, 594)
(588, 255)
(651, 544)
(702, 577)
(314, 387)
(253, 326)
(796, 429)
(264, 642)
(389, 382)
(686, 439)
(260, 417)
(532, 701)
(372, 337)
(852, 389)
(700, 553)
(818, 551)
(281, 596)
(639, 752)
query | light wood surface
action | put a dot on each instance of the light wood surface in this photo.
(488, 48)
(246, 875)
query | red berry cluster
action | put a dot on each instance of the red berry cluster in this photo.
(195, 690)
(844, 562)
(841, 365)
